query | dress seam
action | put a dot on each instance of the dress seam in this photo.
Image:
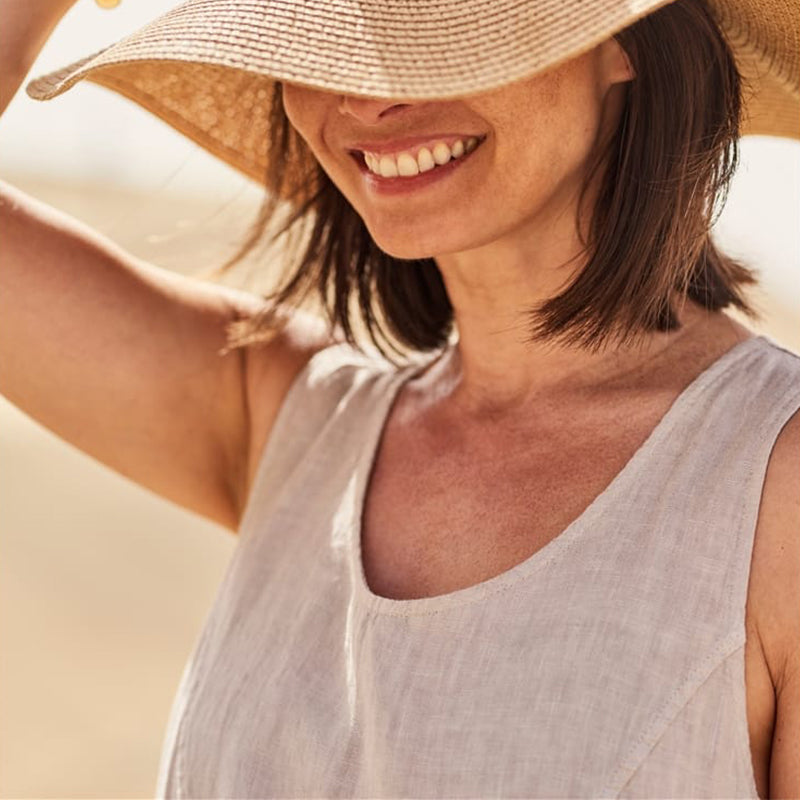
(737, 637)
(676, 701)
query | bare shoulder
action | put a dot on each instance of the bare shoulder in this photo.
(775, 597)
(270, 369)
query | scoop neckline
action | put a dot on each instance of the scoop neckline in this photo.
(556, 547)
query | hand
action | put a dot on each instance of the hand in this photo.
(27, 25)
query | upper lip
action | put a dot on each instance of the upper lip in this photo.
(398, 145)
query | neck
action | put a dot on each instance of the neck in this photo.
(494, 370)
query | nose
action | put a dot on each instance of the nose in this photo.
(367, 110)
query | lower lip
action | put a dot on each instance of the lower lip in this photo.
(393, 186)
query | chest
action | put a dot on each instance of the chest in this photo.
(441, 516)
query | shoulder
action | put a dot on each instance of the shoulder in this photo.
(774, 588)
(303, 357)
(775, 573)
(304, 346)
(271, 369)
(775, 592)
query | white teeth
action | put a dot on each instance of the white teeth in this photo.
(388, 167)
(408, 166)
(425, 160)
(441, 153)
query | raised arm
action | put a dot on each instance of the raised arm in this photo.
(122, 358)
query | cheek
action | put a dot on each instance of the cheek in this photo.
(570, 115)
(561, 124)
(543, 151)
(305, 110)
(293, 106)
(549, 155)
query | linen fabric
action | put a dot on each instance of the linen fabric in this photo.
(608, 664)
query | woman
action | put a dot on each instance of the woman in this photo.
(557, 558)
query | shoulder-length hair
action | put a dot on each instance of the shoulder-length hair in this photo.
(666, 173)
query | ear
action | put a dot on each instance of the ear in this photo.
(617, 65)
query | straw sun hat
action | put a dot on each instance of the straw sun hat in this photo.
(207, 67)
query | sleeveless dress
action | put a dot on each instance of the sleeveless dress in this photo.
(608, 664)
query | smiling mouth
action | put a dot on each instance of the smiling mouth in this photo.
(454, 161)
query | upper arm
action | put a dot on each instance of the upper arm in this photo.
(778, 603)
(125, 360)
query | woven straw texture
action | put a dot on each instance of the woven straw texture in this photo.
(207, 67)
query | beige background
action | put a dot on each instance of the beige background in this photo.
(103, 585)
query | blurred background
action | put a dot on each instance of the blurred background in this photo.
(103, 585)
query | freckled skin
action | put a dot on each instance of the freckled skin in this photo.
(541, 132)
(502, 227)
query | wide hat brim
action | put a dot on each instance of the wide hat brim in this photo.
(208, 67)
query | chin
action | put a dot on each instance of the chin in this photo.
(405, 254)
(405, 250)
(407, 245)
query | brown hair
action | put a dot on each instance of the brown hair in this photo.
(666, 174)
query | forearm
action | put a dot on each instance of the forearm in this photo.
(25, 27)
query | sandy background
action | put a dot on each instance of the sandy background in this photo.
(103, 585)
